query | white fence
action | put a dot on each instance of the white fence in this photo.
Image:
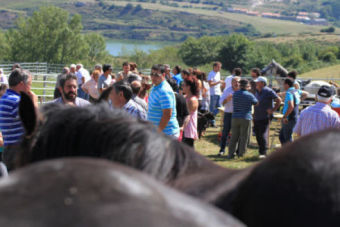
(45, 75)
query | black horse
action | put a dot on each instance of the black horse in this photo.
(97, 131)
(89, 192)
(266, 194)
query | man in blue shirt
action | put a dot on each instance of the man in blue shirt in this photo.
(290, 111)
(263, 112)
(162, 104)
(241, 119)
(10, 123)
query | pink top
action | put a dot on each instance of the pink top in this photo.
(190, 130)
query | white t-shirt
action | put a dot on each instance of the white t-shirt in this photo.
(214, 77)
(91, 87)
(228, 81)
(82, 73)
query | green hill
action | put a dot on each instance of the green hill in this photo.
(170, 20)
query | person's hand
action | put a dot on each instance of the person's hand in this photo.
(285, 121)
(270, 111)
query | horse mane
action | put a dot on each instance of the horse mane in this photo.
(97, 131)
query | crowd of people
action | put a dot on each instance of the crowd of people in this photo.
(171, 100)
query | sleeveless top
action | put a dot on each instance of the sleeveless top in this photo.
(190, 130)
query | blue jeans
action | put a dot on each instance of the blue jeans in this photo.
(286, 132)
(214, 104)
(226, 130)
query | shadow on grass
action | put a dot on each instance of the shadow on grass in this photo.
(212, 137)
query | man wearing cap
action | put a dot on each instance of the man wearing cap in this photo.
(263, 112)
(319, 116)
(241, 119)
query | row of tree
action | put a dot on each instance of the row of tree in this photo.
(52, 35)
(237, 50)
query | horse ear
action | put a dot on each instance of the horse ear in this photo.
(27, 113)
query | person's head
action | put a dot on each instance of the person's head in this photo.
(325, 94)
(98, 67)
(136, 87)
(20, 80)
(133, 66)
(288, 83)
(73, 68)
(244, 83)
(68, 87)
(154, 68)
(167, 69)
(126, 67)
(261, 82)
(190, 86)
(121, 93)
(185, 74)
(107, 69)
(176, 70)
(237, 72)
(96, 75)
(255, 73)
(16, 66)
(292, 75)
(79, 66)
(157, 77)
(66, 70)
(235, 83)
(217, 66)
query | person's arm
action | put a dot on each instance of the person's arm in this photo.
(276, 107)
(304, 95)
(85, 88)
(165, 119)
(212, 84)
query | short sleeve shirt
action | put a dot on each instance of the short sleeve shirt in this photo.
(10, 123)
(266, 101)
(104, 82)
(214, 77)
(228, 81)
(292, 95)
(228, 107)
(162, 97)
(242, 102)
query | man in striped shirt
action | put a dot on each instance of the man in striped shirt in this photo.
(319, 116)
(10, 124)
(162, 104)
(243, 101)
(121, 97)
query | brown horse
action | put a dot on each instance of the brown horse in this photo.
(93, 192)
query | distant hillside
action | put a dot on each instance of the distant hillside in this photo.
(177, 19)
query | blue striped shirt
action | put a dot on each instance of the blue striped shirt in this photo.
(10, 123)
(242, 102)
(162, 97)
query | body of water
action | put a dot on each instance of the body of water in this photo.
(124, 47)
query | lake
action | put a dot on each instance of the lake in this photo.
(123, 47)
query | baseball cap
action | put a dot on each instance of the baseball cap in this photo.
(261, 79)
(326, 91)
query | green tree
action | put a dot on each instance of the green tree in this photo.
(235, 51)
(96, 48)
(200, 51)
(4, 47)
(48, 35)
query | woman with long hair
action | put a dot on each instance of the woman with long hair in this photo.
(191, 89)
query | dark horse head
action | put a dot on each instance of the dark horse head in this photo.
(298, 185)
(97, 131)
(89, 192)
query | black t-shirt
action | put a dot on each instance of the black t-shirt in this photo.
(181, 108)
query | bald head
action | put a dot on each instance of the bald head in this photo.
(136, 86)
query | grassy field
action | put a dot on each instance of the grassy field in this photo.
(328, 72)
(209, 147)
(263, 25)
(317, 38)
